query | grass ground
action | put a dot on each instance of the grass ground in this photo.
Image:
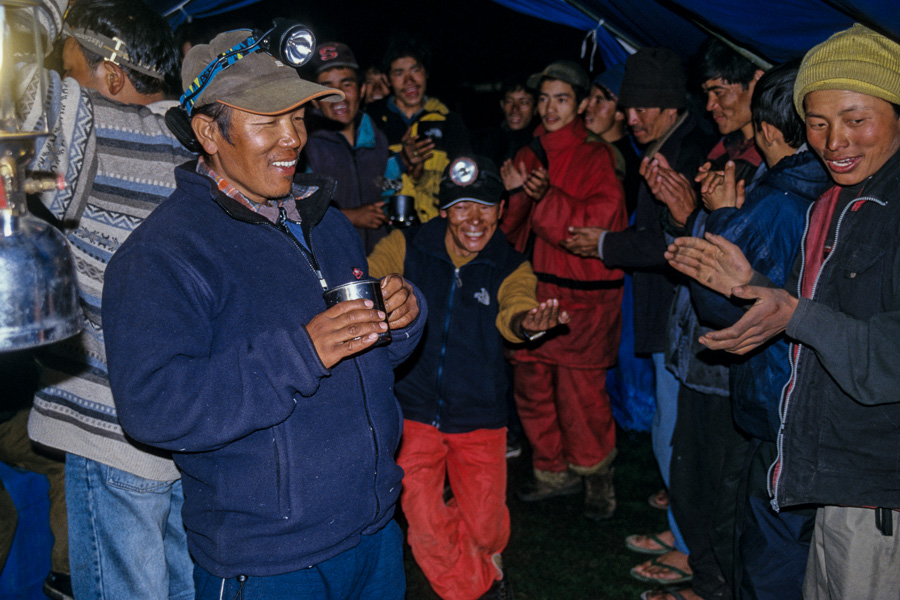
(554, 553)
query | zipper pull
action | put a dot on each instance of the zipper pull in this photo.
(458, 279)
(322, 281)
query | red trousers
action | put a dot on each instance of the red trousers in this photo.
(566, 415)
(453, 542)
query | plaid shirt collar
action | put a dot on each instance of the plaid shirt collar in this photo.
(271, 210)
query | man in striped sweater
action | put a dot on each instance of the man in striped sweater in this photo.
(109, 140)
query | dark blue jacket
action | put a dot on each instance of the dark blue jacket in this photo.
(359, 169)
(285, 463)
(456, 380)
(767, 229)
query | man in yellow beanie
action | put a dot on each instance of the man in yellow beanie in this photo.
(839, 443)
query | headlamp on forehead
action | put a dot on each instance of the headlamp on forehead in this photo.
(463, 171)
(288, 41)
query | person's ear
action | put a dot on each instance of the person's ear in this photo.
(502, 206)
(113, 78)
(206, 130)
(583, 106)
(769, 132)
(363, 89)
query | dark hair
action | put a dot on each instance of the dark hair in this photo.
(402, 46)
(607, 94)
(718, 60)
(580, 92)
(516, 84)
(148, 37)
(773, 102)
(221, 114)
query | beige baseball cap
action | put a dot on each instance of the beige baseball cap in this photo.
(258, 83)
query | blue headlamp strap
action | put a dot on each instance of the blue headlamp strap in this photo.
(222, 62)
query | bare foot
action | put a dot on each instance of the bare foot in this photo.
(663, 542)
(659, 500)
(659, 572)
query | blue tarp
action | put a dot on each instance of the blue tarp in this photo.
(777, 30)
(178, 11)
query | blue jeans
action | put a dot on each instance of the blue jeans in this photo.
(373, 570)
(126, 538)
(663, 427)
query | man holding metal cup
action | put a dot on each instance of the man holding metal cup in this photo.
(278, 411)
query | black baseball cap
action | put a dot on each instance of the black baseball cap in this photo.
(471, 178)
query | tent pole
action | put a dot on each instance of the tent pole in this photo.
(603, 23)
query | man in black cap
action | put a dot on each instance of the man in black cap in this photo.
(346, 145)
(653, 94)
(278, 411)
(480, 292)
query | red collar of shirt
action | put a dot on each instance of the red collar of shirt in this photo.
(269, 210)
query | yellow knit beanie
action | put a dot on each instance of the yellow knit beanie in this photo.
(856, 59)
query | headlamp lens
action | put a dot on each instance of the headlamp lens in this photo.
(463, 171)
(297, 46)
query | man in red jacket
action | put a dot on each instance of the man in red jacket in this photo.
(560, 386)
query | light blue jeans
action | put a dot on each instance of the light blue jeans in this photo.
(373, 570)
(126, 538)
(663, 428)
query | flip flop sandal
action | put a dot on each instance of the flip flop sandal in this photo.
(659, 500)
(631, 544)
(685, 576)
(648, 594)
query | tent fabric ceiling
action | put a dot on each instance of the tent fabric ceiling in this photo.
(179, 11)
(777, 30)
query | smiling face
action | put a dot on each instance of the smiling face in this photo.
(407, 77)
(650, 124)
(261, 157)
(346, 80)
(729, 105)
(853, 133)
(470, 226)
(599, 111)
(557, 104)
(518, 109)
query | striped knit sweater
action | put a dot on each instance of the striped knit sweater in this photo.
(118, 161)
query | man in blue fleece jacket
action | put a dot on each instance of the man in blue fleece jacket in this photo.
(279, 413)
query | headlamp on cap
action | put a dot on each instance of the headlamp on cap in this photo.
(463, 171)
(470, 179)
(288, 41)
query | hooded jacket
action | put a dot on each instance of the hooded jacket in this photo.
(285, 463)
(767, 228)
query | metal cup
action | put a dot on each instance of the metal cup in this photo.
(370, 289)
(402, 211)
